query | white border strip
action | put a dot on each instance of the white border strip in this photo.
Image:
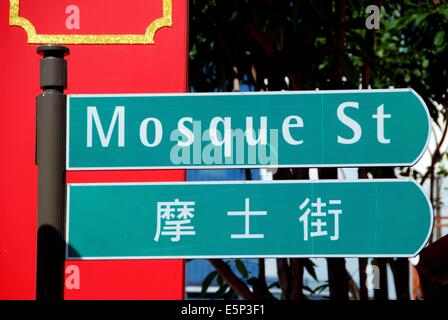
(431, 217)
(67, 222)
(245, 93)
(174, 167)
(67, 134)
(239, 182)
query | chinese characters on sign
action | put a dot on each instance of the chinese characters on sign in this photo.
(247, 214)
(247, 219)
(320, 218)
(175, 218)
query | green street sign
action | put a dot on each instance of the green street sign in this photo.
(282, 129)
(378, 218)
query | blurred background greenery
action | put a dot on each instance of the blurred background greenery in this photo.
(267, 45)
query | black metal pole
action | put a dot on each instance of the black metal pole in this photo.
(50, 157)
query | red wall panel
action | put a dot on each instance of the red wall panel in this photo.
(92, 68)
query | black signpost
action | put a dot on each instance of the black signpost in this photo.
(50, 158)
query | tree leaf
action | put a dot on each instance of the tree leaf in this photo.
(306, 288)
(233, 16)
(309, 266)
(220, 280)
(207, 281)
(221, 291)
(229, 295)
(439, 39)
(241, 267)
(275, 284)
(321, 288)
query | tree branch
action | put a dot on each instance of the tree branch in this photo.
(229, 276)
(297, 270)
(259, 285)
(284, 277)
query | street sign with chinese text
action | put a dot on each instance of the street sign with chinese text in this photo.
(288, 129)
(247, 219)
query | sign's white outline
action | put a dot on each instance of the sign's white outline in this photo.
(431, 222)
(174, 167)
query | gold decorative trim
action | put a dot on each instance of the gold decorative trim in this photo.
(148, 38)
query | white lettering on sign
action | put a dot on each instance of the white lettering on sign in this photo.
(287, 125)
(189, 135)
(250, 132)
(118, 116)
(247, 213)
(349, 122)
(174, 219)
(380, 116)
(356, 128)
(319, 222)
(157, 130)
(227, 140)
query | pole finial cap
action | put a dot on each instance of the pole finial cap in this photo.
(53, 50)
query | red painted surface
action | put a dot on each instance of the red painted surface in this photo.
(128, 279)
(97, 17)
(92, 69)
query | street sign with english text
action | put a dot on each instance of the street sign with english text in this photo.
(287, 129)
